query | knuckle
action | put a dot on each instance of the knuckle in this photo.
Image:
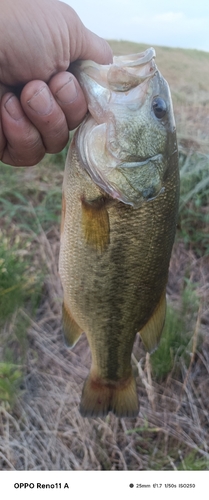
(28, 151)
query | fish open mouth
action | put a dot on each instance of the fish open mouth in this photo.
(124, 73)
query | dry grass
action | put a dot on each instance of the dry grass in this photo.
(43, 429)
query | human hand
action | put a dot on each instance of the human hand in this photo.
(38, 41)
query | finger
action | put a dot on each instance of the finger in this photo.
(43, 111)
(95, 48)
(68, 94)
(84, 44)
(3, 141)
(21, 143)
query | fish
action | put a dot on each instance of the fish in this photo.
(119, 214)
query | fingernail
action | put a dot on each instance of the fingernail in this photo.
(68, 92)
(41, 102)
(13, 108)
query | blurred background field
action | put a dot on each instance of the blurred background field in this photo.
(41, 381)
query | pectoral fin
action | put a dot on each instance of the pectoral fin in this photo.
(95, 224)
(151, 332)
(71, 330)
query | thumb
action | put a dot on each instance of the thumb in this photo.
(95, 48)
(84, 44)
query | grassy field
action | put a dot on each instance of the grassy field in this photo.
(41, 381)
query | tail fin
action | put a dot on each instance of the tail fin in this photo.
(100, 396)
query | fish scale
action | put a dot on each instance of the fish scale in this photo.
(113, 264)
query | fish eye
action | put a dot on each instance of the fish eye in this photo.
(159, 107)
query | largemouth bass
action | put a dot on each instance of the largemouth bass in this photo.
(120, 203)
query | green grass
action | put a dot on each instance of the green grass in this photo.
(20, 287)
(194, 202)
(175, 457)
(29, 203)
(19, 281)
(176, 341)
(10, 379)
(31, 197)
(193, 462)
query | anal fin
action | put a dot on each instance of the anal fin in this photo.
(71, 330)
(95, 223)
(151, 332)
